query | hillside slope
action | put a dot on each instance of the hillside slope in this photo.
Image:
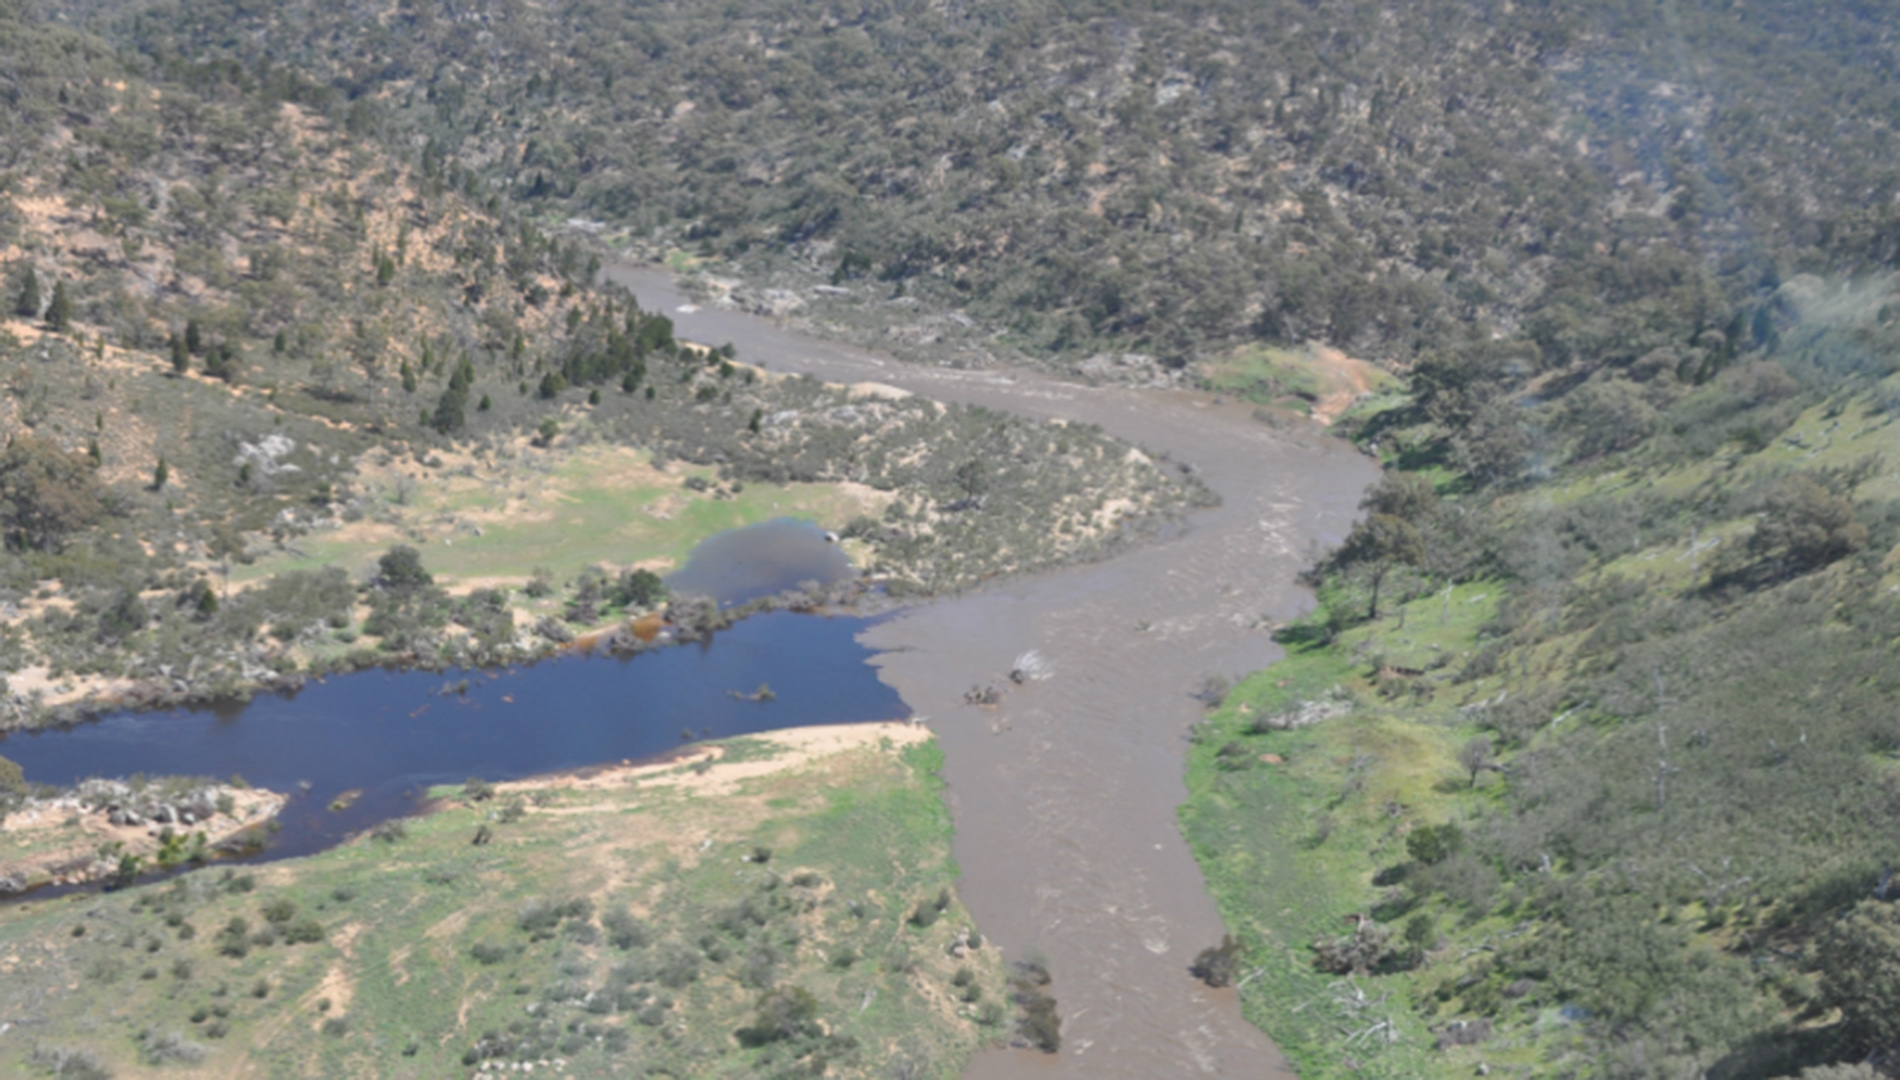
(235, 321)
(1166, 178)
(1586, 767)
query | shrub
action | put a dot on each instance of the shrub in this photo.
(489, 953)
(1357, 953)
(625, 932)
(785, 1012)
(1432, 844)
(677, 964)
(165, 1047)
(1037, 1021)
(234, 939)
(68, 1064)
(1217, 965)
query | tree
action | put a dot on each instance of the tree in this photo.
(124, 616)
(59, 313)
(13, 787)
(161, 475)
(46, 493)
(970, 478)
(1803, 527)
(1475, 756)
(221, 362)
(407, 606)
(451, 410)
(639, 588)
(28, 304)
(1607, 416)
(194, 337)
(400, 569)
(1390, 535)
(181, 357)
(1859, 960)
(1381, 543)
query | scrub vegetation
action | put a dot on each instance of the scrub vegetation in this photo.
(747, 910)
(1163, 180)
(250, 350)
(1585, 763)
(1592, 734)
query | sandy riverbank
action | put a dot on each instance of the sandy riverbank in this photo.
(704, 770)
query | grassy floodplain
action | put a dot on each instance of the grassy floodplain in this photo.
(748, 908)
(560, 510)
(1292, 826)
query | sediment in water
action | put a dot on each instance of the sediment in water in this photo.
(1065, 794)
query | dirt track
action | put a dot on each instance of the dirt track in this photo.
(1065, 795)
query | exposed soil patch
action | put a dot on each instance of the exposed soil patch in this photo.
(1347, 377)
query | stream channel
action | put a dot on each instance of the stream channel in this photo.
(1064, 796)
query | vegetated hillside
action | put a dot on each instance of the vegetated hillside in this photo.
(1164, 177)
(1595, 732)
(757, 909)
(219, 297)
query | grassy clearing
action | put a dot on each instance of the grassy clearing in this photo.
(1322, 809)
(503, 515)
(1270, 376)
(1311, 379)
(716, 916)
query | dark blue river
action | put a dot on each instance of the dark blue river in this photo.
(392, 734)
(759, 560)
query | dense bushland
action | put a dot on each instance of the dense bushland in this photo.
(1169, 178)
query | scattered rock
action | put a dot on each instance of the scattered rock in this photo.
(1464, 1033)
(986, 696)
(1306, 714)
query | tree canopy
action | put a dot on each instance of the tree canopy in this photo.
(46, 493)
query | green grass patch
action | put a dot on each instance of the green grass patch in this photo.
(1267, 375)
(1293, 827)
(563, 511)
(639, 919)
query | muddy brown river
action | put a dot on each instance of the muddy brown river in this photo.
(1065, 795)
